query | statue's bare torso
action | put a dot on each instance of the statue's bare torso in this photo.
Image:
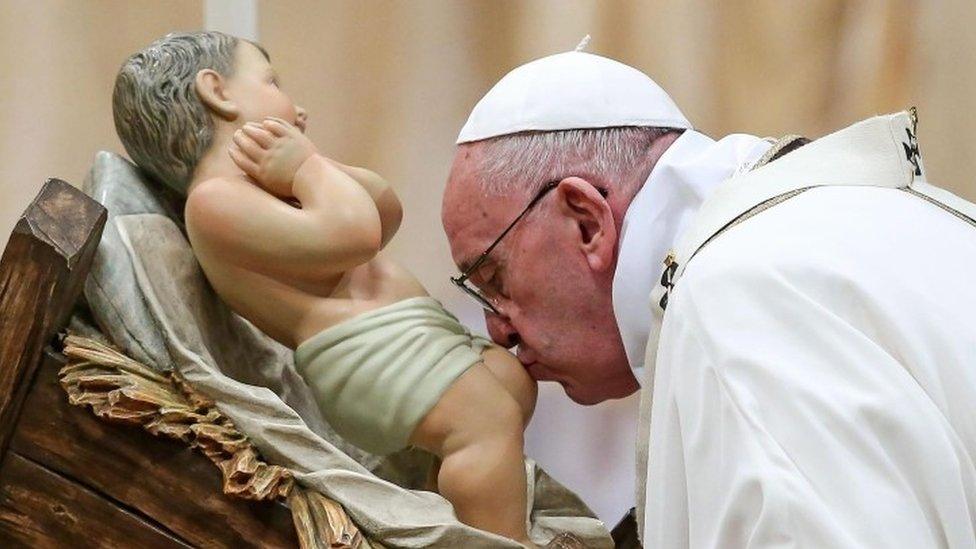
(292, 307)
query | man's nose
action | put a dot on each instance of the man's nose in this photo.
(501, 331)
(301, 113)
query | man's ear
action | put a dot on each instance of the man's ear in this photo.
(210, 87)
(597, 233)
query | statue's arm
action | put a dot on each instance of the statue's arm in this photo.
(336, 228)
(383, 195)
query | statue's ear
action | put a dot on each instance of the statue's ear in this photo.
(210, 86)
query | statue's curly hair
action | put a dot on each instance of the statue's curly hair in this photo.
(159, 117)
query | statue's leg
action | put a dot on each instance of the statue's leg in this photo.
(512, 375)
(476, 428)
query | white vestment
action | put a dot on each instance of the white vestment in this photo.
(815, 380)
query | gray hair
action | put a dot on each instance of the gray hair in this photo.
(159, 117)
(524, 162)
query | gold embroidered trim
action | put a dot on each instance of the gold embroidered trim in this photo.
(773, 151)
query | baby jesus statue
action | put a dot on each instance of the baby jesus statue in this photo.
(290, 240)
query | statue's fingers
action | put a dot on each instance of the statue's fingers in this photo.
(243, 162)
(248, 146)
(276, 126)
(261, 136)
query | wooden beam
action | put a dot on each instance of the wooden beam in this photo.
(159, 478)
(39, 508)
(41, 274)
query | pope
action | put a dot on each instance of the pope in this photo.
(799, 315)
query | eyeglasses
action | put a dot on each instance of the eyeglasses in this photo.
(462, 281)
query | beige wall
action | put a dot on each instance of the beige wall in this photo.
(57, 65)
(389, 83)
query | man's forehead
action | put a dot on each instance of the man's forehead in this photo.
(473, 226)
(472, 219)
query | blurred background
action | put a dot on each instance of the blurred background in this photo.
(388, 84)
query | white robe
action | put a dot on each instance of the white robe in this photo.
(685, 175)
(815, 380)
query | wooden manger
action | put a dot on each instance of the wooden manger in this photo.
(67, 478)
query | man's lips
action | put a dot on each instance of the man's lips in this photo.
(529, 360)
(526, 356)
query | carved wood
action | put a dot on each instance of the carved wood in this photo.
(42, 509)
(154, 477)
(41, 273)
(122, 390)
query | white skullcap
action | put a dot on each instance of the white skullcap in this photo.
(567, 91)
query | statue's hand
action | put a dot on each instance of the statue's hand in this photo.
(270, 153)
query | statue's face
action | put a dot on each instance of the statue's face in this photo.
(254, 88)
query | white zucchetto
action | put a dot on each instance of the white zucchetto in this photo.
(571, 90)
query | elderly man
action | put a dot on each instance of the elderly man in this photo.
(804, 313)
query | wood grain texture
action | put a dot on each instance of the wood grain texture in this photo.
(158, 478)
(41, 509)
(41, 273)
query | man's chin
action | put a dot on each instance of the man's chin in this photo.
(587, 396)
(581, 396)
